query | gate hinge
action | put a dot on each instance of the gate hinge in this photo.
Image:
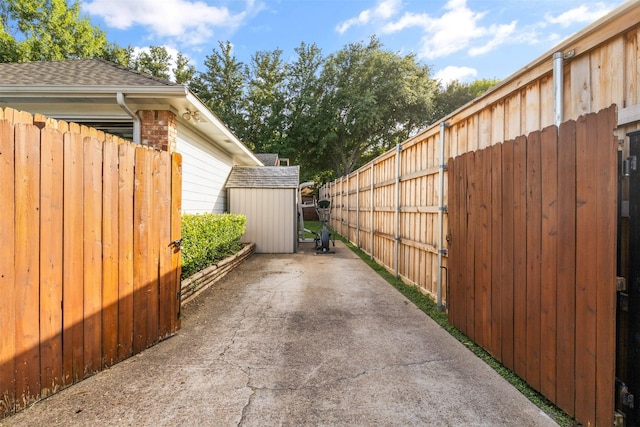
(621, 284)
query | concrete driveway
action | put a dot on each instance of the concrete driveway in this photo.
(293, 340)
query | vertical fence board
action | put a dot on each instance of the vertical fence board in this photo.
(141, 243)
(534, 245)
(520, 256)
(51, 244)
(606, 192)
(506, 263)
(167, 291)
(470, 252)
(92, 251)
(27, 262)
(110, 254)
(586, 147)
(72, 279)
(566, 273)
(176, 229)
(152, 260)
(482, 282)
(67, 219)
(495, 251)
(548, 283)
(7, 266)
(126, 155)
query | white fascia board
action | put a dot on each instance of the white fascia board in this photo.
(203, 110)
(94, 91)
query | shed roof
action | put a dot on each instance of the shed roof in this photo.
(268, 159)
(264, 177)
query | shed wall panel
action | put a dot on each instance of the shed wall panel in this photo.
(271, 217)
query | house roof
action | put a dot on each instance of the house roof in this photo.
(264, 177)
(75, 72)
(94, 91)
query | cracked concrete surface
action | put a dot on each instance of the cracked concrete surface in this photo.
(291, 340)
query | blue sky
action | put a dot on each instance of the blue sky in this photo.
(458, 39)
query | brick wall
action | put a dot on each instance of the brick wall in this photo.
(158, 129)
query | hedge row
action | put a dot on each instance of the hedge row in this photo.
(209, 238)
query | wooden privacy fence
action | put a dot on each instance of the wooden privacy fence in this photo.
(532, 259)
(390, 209)
(88, 274)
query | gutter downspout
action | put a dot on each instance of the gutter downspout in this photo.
(441, 210)
(558, 87)
(134, 116)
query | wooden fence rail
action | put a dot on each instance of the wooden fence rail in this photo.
(88, 275)
(389, 209)
(532, 261)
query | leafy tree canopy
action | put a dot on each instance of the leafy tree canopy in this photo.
(37, 30)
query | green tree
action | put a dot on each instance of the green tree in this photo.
(265, 114)
(302, 89)
(222, 87)
(456, 94)
(371, 99)
(184, 72)
(155, 62)
(45, 30)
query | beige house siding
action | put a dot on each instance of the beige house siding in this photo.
(205, 171)
(271, 217)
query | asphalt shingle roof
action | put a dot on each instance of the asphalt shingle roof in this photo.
(74, 72)
(268, 159)
(264, 177)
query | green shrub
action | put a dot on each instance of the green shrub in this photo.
(209, 238)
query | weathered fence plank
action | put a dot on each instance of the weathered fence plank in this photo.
(7, 266)
(126, 157)
(566, 264)
(506, 260)
(556, 210)
(534, 247)
(27, 263)
(71, 216)
(586, 320)
(549, 255)
(72, 272)
(92, 254)
(520, 256)
(606, 218)
(51, 245)
(142, 251)
(110, 256)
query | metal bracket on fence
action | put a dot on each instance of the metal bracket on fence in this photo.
(176, 244)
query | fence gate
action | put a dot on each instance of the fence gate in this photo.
(88, 274)
(629, 300)
(532, 259)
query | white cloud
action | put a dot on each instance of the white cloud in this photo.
(191, 22)
(579, 15)
(457, 29)
(385, 9)
(451, 73)
(501, 35)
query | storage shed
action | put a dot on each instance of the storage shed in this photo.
(267, 195)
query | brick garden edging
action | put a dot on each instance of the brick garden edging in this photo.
(193, 285)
